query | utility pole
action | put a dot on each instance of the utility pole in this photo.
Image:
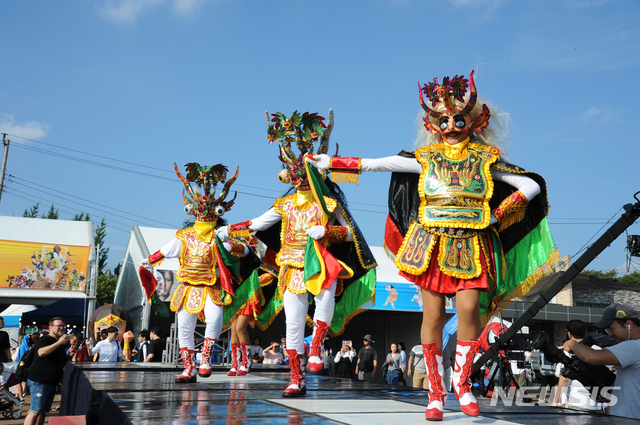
(5, 142)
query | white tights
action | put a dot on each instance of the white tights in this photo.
(295, 311)
(187, 323)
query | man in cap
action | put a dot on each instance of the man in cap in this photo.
(367, 360)
(621, 322)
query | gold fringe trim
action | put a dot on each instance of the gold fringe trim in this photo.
(340, 177)
(516, 216)
(242, 233)
(522, 289)
(367, 306)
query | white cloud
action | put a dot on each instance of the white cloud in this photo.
(601, 116)
(29, 130)
(128, 11)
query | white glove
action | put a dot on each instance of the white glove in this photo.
(145, 263)
(315, 232)
(493, 220)
(223, 233)
(320, 161)
(227, 246)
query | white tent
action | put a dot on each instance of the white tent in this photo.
(129, 294)
(12, 315)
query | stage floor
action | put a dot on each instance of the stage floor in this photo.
(148, 395)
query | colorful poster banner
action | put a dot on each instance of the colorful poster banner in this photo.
(31, 265)
(403, 297)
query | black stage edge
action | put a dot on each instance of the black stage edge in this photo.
(141, 394)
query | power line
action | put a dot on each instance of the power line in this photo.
(12, 192)
(89, 206)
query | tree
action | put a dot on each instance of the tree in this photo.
(633, 278)
(52, 214)
(611, 275)
(98, 239)
(106, 289)
(33, 212)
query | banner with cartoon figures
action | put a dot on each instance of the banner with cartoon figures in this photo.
(43, 266)
(401, 296)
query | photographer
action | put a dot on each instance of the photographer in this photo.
(622, 323)
(578, 396)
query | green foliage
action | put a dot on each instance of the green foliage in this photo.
(33, 212)
(633, 278)
(611, 275)
(106, 288)
(81, 217)
(52, 214)
(98, 239)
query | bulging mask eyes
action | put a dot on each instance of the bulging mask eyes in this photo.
(219, 210)
(460, 122)
(444, 123)
(189, 209)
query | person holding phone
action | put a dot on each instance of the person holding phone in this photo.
(344, 359)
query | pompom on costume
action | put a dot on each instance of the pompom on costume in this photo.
(320, 250)
(461, 222)
(210, 270)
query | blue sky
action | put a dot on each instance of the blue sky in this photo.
(137, 85)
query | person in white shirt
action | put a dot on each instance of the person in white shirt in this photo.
(108, 350)
(257, 353)
(344, 360)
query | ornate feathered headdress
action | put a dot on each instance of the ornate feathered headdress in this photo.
(447, 93)
(302, 131)
(205, 206)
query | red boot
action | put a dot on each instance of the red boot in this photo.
(437, 394)
(245, 367)
(235, 348)
(298, 385)
(315, 364)
(189, 374)
(205, 362)
(465, 351)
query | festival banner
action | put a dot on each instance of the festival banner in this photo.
(32, 265)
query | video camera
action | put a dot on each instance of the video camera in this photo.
(574, 368)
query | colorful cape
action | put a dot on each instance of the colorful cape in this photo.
(528, 248)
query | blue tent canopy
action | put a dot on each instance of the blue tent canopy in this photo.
(73, 311)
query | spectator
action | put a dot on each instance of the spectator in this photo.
(46, 370)
(108, 350)
(416, 362)
(395, 369)
(282, 349)
(344, 360)
(156, 346)
(272, 355)
(622, 323)
(5, 344)
(143, 349)
(403, 355)
(25, 344)
(257, 353)
(367, 360)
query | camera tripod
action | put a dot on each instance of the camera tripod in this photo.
(503, 366)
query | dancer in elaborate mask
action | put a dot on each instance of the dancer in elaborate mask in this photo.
(461, 222)
(320, 250)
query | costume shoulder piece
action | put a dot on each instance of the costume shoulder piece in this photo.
(536, 211)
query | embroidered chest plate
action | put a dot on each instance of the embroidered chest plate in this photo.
(296, 220)
(456, 193)
(197, 259)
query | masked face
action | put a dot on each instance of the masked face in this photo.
(298, 177)
(454, 128)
